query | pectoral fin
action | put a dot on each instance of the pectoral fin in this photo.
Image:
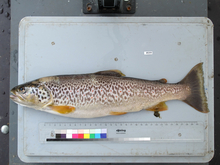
(62, 109)
(117, 113)
(159, 107)
(116, 73)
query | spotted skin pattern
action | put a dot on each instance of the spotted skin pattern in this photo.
(88, 90)
(42, 94)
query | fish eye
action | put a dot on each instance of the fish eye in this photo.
(21, 89)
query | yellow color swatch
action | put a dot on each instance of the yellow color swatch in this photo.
(86, 136)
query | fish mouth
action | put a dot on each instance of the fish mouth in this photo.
(16, 96)
(12, 96)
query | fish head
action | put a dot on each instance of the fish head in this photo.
(32, 94)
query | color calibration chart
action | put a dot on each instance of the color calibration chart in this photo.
(122, 132)
(81, 134)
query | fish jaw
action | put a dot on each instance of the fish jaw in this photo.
(20, 100)
(13, 96)
(16, 97)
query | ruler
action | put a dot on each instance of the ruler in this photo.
(126, 132)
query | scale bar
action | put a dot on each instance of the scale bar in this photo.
(106, 139)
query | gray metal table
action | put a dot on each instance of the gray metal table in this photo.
(22, 8)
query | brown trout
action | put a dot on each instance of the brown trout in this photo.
(108, 93)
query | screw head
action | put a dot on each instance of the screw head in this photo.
(4, 129)
(89, 7)
(128, 7)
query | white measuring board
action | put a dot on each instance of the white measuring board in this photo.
(147, 48)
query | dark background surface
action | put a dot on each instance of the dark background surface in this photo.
(4, 77)
(21, 8)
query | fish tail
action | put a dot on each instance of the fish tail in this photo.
(197, 98)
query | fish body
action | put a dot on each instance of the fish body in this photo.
(108, 93)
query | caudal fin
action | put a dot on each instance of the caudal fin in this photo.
(194, 79)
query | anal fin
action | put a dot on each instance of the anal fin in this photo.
(159, 107)
(116, 73)
(62, 109)
(117, 113)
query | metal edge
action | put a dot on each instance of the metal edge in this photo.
(20, 123)
(78, 19)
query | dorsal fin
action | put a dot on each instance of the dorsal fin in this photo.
(116, 73)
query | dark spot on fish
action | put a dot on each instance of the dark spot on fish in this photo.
(99, 92)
